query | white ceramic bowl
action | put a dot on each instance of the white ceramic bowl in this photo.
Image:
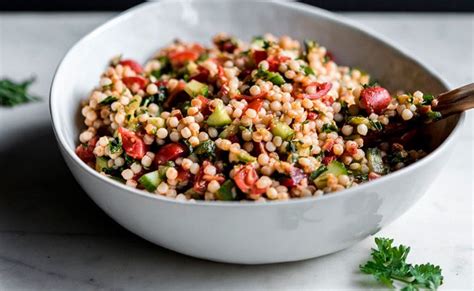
(249, 233)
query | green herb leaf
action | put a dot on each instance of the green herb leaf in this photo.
(108, 100)
(329, 127)
(273, 77)
(433, 115)
(308, 71)
(158, 98)
(115, 145)
(388, 264)
(206, 149)
(12, 93)
(375, 125)
(318, 172)
(427, 99)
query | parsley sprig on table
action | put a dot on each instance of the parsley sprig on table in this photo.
(12, 93)
(389, 264)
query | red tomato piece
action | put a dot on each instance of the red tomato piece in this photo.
(259, 55)
(328, 145)
(200, 185)
(296, 175)
(312, 115)
(132, 144)
(169, 152)
(321, 90)
(86, 152)
(245, 178)
(275, 61)
(204, 105)
(255, 105)
(181, 57)
(133, 65)
(201, 76)
(183, 175)
(329, 55)
(374, 99)
(130, 81)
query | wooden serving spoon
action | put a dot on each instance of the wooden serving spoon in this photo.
(447, 104)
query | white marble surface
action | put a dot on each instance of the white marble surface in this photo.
(53, 237)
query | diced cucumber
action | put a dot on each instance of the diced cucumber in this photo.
(227, 191)
(219, 117)
(245, 157)
(100, 164)
(195, 88)
(356, 120)
(336, 168)
(374, 160)
(229, 131)
(276, 78)
(282, 130)
(162, 171)
(150, 180)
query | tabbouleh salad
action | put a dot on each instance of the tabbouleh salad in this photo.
(272, 119)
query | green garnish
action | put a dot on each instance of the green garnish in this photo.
(165, 67)
(318, 172)
(389, 264)
(108, 100)
(433, 115)
(12, 93)
(158, 98)
(329, 127)
(427, 99)
(375, 125)
(308, 71)
(207, 149)
(273, 77)
(115, 145)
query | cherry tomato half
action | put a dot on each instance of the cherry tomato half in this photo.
(245, 178)
(130, 81)
(169, 152)
(86, 152)
(132, 144)
(374, 99)
(133, 65)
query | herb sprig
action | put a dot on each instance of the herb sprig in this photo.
(13, 93)
(389, 264)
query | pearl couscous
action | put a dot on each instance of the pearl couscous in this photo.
(272, 119)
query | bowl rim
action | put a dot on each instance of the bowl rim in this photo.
(299, 7)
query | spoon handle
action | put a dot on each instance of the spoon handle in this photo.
(455, 101)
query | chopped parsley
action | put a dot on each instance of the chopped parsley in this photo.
(12, 93)
(206, 149)
(115, 145)
(388, 264)
(108, 100)
(427, 99)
